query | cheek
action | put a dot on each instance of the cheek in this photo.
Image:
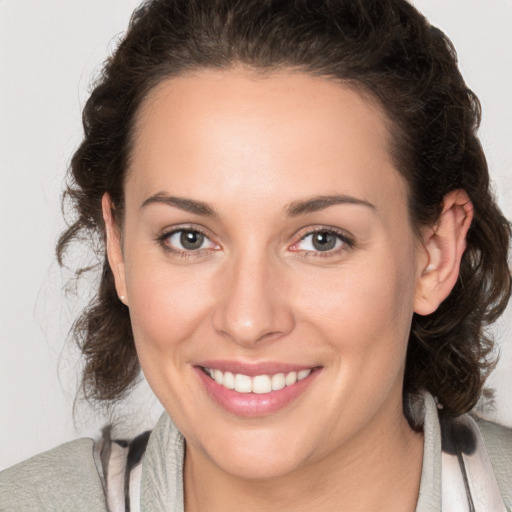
(166, 306)
(364, 315)
(363, 309)
(167, 310)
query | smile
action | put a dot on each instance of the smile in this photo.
(255, 390)
(258, 384)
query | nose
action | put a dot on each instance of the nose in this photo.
(252, 303)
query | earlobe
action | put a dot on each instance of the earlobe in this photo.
(114, 249)
(444, 244)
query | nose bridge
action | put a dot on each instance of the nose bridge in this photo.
(252, 305)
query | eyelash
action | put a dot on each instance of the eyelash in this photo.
(161, 239)
(347, 242)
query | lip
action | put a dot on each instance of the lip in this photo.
(252, 369)
(252, 405)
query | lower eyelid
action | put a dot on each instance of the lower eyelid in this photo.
(344, 242)
(341, 237)
(165, 237)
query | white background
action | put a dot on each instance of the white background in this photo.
(49, 51)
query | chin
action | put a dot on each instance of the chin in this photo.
(257, 456)
(258, 466)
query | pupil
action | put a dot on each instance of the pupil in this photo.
(191, 240)
(324, 241)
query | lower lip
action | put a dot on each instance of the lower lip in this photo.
(252, 405)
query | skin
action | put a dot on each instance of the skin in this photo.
(252, 146)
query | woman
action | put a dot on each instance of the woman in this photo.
(301, 252)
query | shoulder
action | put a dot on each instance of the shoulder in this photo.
(64, 478)
(498, 441)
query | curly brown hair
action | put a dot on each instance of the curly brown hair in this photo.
(384, 48)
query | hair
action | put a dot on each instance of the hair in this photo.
(383, 48)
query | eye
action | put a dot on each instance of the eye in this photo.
(323, 241)
(186, 240)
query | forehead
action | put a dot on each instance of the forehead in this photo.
(219, 134)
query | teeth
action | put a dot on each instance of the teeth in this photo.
(278, 381)
(260, 384)
(291, 378)
(303, 374)
(243, 383)
(229, 380)
(218, 377)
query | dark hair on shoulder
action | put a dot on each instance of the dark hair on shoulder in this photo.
(384, 48)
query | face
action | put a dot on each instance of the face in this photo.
(269, 266)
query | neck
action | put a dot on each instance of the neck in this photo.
(377, 470)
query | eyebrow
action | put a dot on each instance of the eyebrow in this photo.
(294, 209)
(318, 203)
(188, 205)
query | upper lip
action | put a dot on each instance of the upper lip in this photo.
(252, 369)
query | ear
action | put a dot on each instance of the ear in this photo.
(444, 244)
(114, 248)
